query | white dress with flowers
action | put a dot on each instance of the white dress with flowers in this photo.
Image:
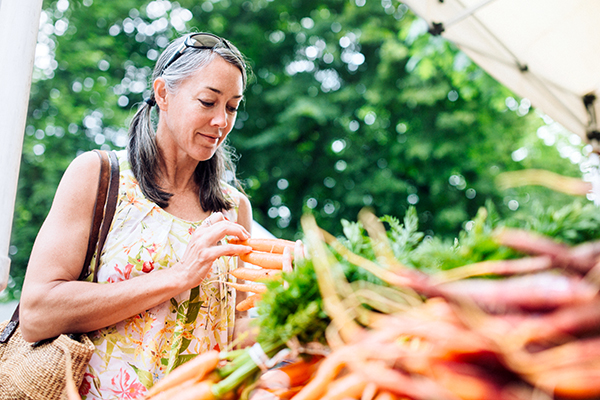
(133, 354)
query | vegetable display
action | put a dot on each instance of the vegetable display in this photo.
(509, 310)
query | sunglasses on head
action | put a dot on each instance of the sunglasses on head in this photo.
(200, 40)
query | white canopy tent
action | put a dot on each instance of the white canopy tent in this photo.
(19, 22)
(545, 50)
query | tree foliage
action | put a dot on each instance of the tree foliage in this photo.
(352, 104)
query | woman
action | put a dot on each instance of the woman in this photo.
(165, 258)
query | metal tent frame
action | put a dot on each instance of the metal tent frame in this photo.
(544, 50)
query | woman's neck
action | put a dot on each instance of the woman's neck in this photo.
(176, 168)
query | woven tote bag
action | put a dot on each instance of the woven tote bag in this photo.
(44, 370)
(39, 371)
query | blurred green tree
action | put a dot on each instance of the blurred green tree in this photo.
(352, 104)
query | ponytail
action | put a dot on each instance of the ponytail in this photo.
(143, 155)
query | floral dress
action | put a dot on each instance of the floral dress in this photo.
(133, 354)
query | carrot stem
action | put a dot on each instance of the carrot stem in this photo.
(242, 368)
(244, 358)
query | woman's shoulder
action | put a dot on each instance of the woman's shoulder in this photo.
(242, 210)
(83, 167)
(123, 159)
(89, 161)
(232, 193)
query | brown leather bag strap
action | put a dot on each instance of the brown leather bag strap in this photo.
(103, 181)
(109, 209)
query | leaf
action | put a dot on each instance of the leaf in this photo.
(145, 377)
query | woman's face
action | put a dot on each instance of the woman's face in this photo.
(196, 119)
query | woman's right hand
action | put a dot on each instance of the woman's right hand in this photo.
(207, 245)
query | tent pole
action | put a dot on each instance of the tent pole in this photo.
(19, 24)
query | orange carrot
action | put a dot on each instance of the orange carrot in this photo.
(193, 370)
(248, 303)
(556, 325)
(170, 393)
(292, 375)
(329, 368)
(248, 287)
(467, 381)
(300, 372)
(251, 274)
(579, 382)
(385, 395)
(401, 384)
(349, 386)
(266, 245)
(263, 259)
(284, 393)
(198, 391)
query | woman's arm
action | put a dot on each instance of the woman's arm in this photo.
(53, 301)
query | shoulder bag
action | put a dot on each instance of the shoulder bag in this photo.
(41, 370)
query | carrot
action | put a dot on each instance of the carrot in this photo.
(248, 303)
(170, 393)
(575, 353)
(385, 395)
(300, 372)
(251, 274)
(266, 245)
(291, 375)
(467, 381)
(349, 386)
(329, 368)
(583, 257)
(531, 243)
(396, 382)
(539, 291)
(495, 267)
(369, 392)
(283, 393)
(194, 370)
(248, 287)
(580, 382)
(583, 318)
(198, 391)
(263, 259)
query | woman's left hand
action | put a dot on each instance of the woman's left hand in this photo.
(207, 244)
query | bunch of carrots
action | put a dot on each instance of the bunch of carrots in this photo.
(531, 332)
(268, 256)
(517, 329)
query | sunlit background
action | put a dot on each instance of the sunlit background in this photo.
(352, 104)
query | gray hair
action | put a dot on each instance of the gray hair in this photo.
(142, 150)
